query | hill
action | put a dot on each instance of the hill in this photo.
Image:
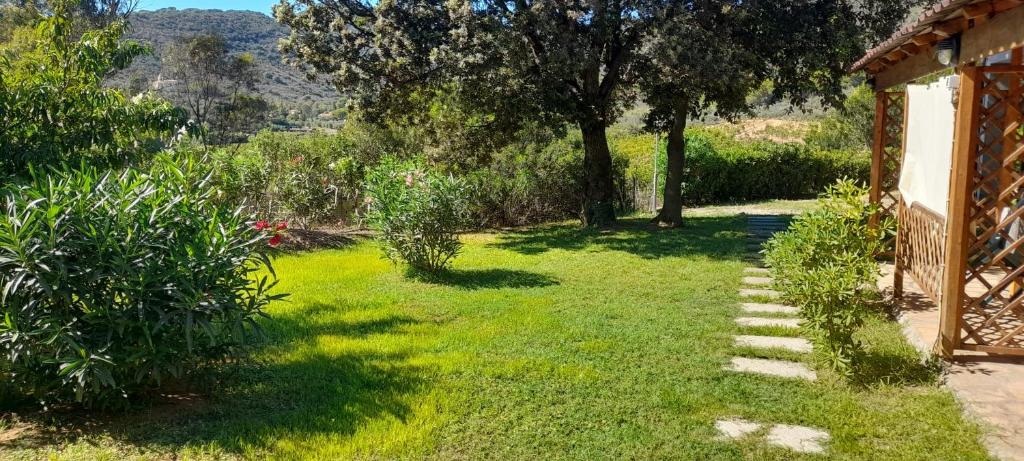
(244, 32)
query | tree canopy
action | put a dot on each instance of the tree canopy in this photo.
(579, 62)
(54, 108)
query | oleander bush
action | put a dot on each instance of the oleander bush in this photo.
(114, 283)
(306, 179)
(825, 264)
(418, 213)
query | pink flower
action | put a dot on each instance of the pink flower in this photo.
(281, 226)
(408, 179)
(261, 225)
(275, 240)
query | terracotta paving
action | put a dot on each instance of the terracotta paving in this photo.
(990, 387)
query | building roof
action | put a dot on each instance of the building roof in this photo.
(941, 20)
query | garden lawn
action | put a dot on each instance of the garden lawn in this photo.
(550, 343)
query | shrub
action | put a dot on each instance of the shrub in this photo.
(302, 178)
(418, 213)
(114, 283)
(721, 169)
(850, 127)
(825, 264)
(529, 183)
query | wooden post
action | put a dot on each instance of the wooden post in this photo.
(1013, 114)
(965, 147)
(897, 269)
(877, 152)
(654, 175)
(897, 274)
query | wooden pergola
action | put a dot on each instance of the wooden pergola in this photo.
(976, 284)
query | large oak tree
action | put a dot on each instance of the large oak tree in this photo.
(708, 56)
(513, 61)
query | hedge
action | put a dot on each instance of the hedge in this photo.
(722, 170)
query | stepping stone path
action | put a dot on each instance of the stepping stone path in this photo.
(800, 439)
(757, 308)
(767, 322)
(796, 438)
(800, 345)
(770, 367)
(753, 292)
(757, 280)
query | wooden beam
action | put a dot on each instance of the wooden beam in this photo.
(916, 66)
(910, 49)
(950, 28)
(1003, 5)
(924, 39)
(965, 146)
(875, 67)
(978, 9)
(1003, 32)
(895, 56)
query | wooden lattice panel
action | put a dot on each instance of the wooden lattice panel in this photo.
(921, 248)
(887, 154)
(993, 302)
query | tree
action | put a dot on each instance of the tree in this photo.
(54, 108)
(211, 83)
(543, 61)
(711, 55)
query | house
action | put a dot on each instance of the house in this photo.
(948, 164)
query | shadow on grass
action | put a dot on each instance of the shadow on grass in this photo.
(719, 237)
(474, 279)
(304, 397)
(882, 367)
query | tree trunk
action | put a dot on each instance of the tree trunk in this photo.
(599, 192)
(671, 214)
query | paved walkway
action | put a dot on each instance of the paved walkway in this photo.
(991, 388)
(768, 314)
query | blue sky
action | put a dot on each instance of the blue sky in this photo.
(263, 6)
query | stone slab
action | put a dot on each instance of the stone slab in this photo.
(798, 438)
(751, 292)
(756, 270)
(777, 368)
(769, 308)
(775, 342)
(767, 322)
(736, 428)
(757, 280)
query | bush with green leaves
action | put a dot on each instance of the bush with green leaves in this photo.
(114, 283)
(418, 213)
(307, 179)
(722, 169)
(54, 107)
(851, 127)
(529, 183)
(825, 264)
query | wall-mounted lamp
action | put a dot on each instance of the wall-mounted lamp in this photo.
(947, 51)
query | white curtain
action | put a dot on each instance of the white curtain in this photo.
(924, 175)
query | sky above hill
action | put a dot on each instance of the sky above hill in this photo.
(262, 6)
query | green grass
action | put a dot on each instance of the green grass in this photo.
(551, 343)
